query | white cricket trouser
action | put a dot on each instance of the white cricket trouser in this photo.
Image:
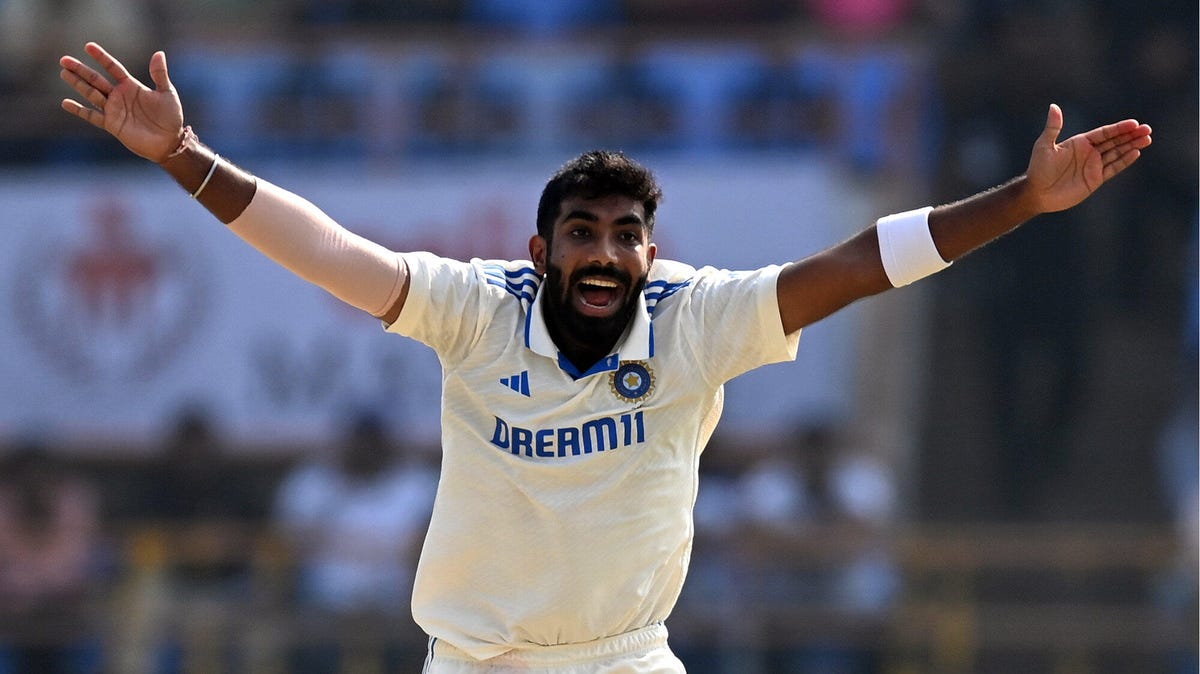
(642, 651)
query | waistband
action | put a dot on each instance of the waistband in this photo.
(635, 641)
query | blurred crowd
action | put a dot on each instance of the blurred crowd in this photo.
(187, 561)
(197, 560)
(794, 568)
(949, 93)
(388, 82)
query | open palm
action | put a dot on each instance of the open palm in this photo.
(1064, 174)
(147, 121)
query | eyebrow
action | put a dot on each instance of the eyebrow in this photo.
(580, 214)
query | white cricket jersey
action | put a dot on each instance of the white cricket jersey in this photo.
(564, 509)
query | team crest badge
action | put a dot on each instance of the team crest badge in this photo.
(632, 382)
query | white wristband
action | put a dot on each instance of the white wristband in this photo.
(907, 247)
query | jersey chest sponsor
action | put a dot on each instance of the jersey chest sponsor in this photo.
(598, 435)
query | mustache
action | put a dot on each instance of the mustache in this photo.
(614, 273)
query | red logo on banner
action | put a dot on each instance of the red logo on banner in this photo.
(103, 301)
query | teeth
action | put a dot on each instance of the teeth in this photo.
(603, 283)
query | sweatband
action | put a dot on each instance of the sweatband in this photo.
(906, 247)
(299, 236)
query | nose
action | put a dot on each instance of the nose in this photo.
(603, 251)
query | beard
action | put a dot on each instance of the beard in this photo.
(594, 332)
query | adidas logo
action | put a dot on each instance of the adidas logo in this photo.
(518, 383)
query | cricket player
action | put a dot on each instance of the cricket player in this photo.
(580, 385)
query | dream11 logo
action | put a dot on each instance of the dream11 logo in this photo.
(105, 302)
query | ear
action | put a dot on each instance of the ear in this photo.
(651, 251)
(538, 249)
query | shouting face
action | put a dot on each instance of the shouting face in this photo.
(595, 265)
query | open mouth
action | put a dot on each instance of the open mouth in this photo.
(598, 294)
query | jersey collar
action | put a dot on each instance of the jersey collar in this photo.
(636, 344)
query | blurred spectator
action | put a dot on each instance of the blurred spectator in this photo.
(355, 525)
(792, 570)
(817, 515)
(49, 548)
(199, 493)
(204, 505)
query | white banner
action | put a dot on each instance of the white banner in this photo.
(125, 302)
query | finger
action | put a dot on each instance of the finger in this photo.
(1136, 144)
(1113, 155)
(1103, 133)
(94, 96)
(158, 72)
(89, 115)
(111, 65)
(86, 74)
(1115, 141)
(1139, 138)
(1122, 162)
(1107, 145)
(1054, 125)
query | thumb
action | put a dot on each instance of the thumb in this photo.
(158, 71)
(1054, 126)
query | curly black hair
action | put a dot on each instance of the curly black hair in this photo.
(596, 174)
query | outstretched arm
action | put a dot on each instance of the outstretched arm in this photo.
(285, 227)
(1059, 176)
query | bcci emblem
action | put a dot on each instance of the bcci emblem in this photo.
(632, 382)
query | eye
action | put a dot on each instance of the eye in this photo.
(631, 236)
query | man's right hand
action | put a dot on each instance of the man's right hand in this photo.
(147, 121)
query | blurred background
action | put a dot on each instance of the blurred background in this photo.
(208, 466)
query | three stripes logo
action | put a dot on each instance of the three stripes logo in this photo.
(518, 382)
